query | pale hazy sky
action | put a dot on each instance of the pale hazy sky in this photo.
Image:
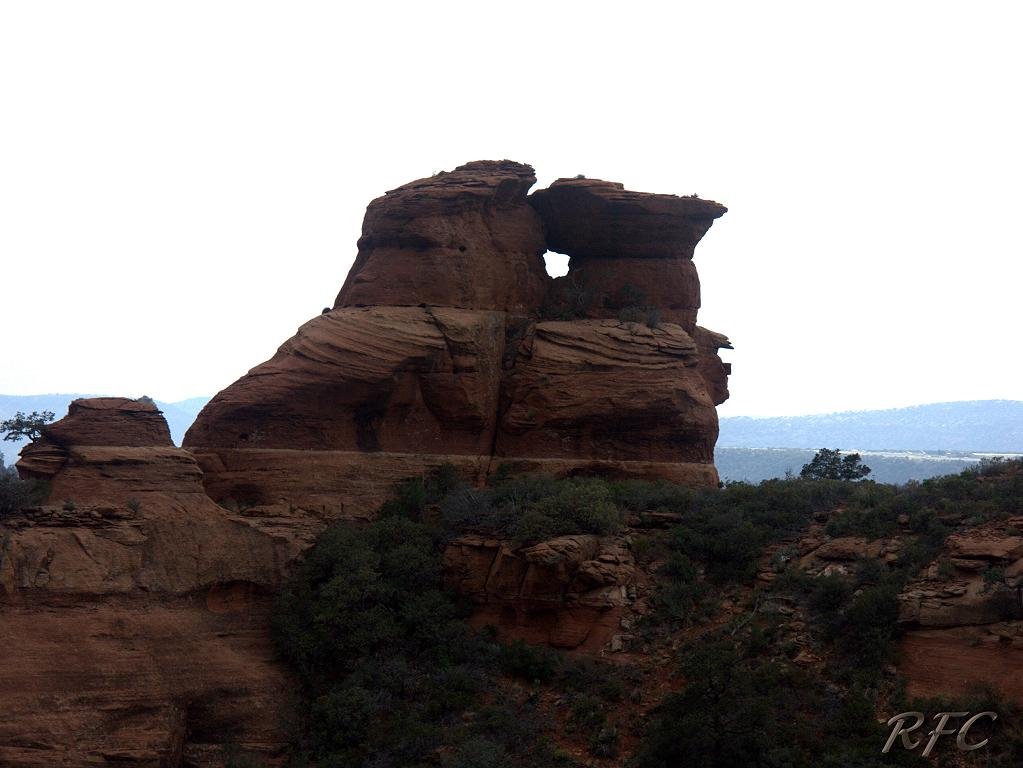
(182, 184)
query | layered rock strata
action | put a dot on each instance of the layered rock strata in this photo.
(135, 600)
(629, 250)
(448, 343)
(964, 617)
(570, 592)
(133, 609)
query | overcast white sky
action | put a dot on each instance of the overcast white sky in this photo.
(182, 184)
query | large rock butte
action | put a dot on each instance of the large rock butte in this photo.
(135, 599)
(449, 343)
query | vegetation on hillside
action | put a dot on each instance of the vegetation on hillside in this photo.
(17, 494)
(392, 675)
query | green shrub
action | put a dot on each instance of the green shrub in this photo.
(741, 709)
(994, 576)
(868, 628)
(605, 742)
(479, 752)
(832, 465)
(830, 593)
(528, 662)
(17, 494)
(530, 508)
(946, 570)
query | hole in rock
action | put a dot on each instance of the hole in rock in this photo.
(557, 264)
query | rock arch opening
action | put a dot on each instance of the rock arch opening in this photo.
(556, 263)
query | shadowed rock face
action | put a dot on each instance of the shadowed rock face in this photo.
(630, 251)
(449, 341)
(133, 609)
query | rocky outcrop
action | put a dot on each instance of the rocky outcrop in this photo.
(964, 616)
(568, 592)
(445, 344)
(113, 591)
(462, 239)
(629, 250)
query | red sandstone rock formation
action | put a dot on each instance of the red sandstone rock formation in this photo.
(964, 630)
(437, 349)
(463, 239)
(629, 250)
(133, 609)
(567, 592)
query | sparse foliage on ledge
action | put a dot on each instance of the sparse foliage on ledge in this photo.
(22, 426)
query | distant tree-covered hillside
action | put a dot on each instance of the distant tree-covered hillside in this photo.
(751, 465)
(977, 425)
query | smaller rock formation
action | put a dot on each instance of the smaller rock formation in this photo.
(964, 616)
(629, 250)
(568, 592)
(133, 610)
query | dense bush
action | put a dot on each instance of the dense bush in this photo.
(530, 508)
(17, 494)
(390, 670)
(935, 506)
(725, 531)
(1005, 746)
(742, 708)
(392, 674)
(832, 465)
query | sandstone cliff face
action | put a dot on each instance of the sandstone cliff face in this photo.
(133, 609)
(442, 346)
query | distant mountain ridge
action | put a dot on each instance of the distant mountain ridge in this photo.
(179, 415)
(974, 425)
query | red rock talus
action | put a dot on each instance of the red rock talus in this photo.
(437, 350)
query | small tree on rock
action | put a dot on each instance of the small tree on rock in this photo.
(832, 465)
(22, 426)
